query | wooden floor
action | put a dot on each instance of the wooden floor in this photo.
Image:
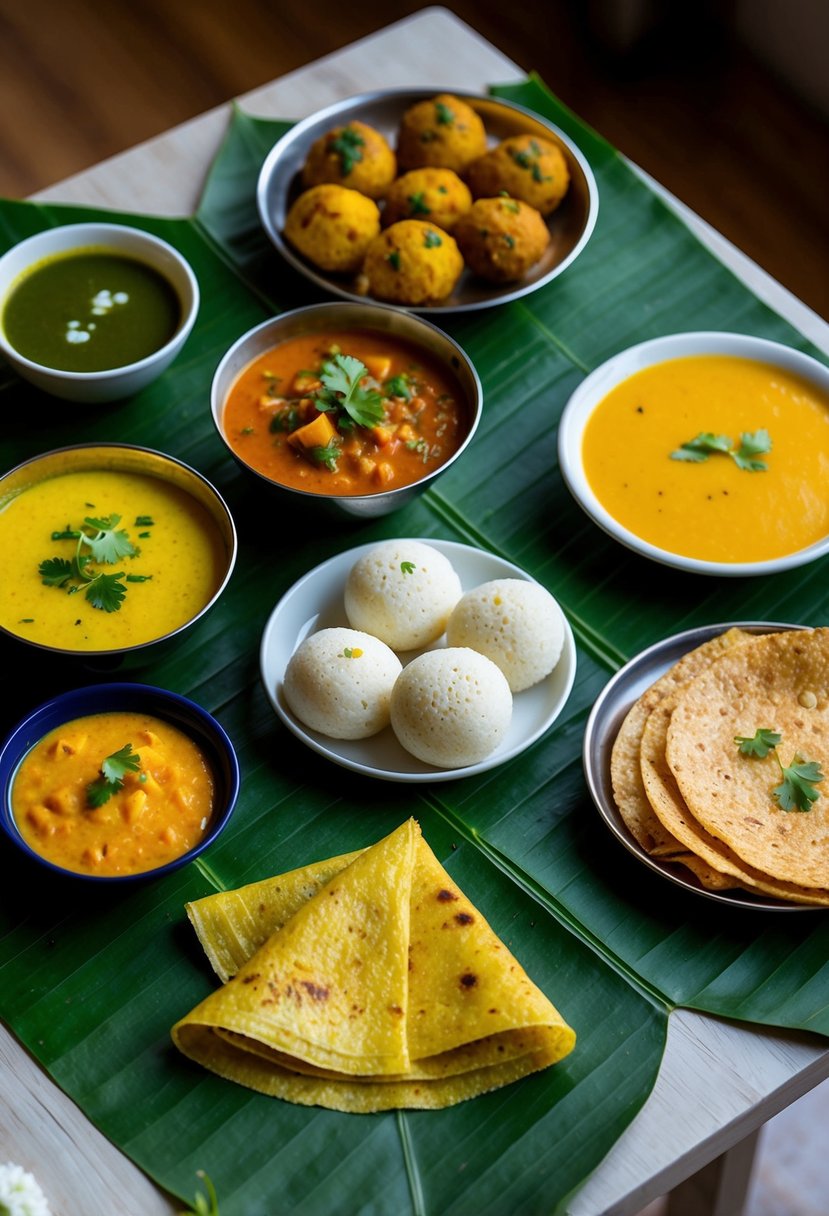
(83, 79)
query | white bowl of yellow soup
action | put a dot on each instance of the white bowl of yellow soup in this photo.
(109, 550)
(708, 452)
(94, 312)
(114, 782)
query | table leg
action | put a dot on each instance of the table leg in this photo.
(720, 1188)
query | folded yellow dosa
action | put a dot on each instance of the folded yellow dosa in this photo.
(365, 982)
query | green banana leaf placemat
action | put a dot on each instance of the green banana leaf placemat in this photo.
(91, 982)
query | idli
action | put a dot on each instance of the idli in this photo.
(451, 707)
(402, 591)
(516, 623)
(339, 682)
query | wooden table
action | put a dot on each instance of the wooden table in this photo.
(719, 1081)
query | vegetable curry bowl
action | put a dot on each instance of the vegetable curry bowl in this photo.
(117, 781)
(110, 550)
(355, 407)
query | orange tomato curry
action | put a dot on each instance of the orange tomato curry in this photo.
(307, 416)
(159, 810)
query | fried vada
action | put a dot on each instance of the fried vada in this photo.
(332, 226)
(412, 262)
(442, 131)
(500, 239)
(353, 155)
(525, 167)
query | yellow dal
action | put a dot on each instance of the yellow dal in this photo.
(159, 813)
(712, 511)
(183, 553)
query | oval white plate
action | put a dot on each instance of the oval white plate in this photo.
(316, 602)
(606, 717)
(618, 368)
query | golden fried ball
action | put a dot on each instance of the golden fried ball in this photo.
(436, 195)
(442, 131)
(501, 238)
(525, 167)
(332, 226)
(353, 155)
(412, 262)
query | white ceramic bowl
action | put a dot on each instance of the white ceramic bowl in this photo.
(112, 383)
(600, 382)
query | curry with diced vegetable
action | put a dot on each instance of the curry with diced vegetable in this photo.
(113, 794)
(345, 413)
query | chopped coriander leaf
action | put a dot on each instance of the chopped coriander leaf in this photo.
(393, 259)
(67, 534)
(106, 591)
(760, 744)
(328, 455)
(55, 571)
(398, 386)
(752, 444)
(431, 240)
(408, 567)
(113, 770)
(797, 791)
(418, 205)
(444, 114)
(109, 543)
(285, 420)
(144, 521)
(348, 145)
(139, 578)
(344, 395)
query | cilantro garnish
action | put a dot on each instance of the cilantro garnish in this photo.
(106, 545)
(113, 770)
(344, 395)
(348, 145)
(431, 240)
(752, 444)
(417, 204)
(760, 744)
(796, 791)
(445, 116)
(328, 455)
(408, 567)
(393, 259)
(398, 386)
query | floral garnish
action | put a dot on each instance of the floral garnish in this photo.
(20, 1193)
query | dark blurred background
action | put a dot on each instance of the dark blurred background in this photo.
(725, 102)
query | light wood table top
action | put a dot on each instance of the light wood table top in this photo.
(719, 1080)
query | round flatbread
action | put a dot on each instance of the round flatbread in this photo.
(780, 683)
(625, 769)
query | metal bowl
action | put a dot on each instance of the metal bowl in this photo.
(570, 225)
(125, 458)
(379, 318)
(179, 711)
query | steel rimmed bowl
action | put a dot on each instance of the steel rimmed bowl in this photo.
(133, 459)
(178, 710)
(336, 315)
(109, 384)
(627, 363)
(571, 225)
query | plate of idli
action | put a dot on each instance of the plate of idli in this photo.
(418, 660)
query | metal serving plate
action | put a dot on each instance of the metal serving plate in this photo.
(570, 224)
(607, 716)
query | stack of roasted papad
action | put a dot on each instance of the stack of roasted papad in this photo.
(365, 982)
(687, 793)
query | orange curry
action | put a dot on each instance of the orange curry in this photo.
(113, 794)
(345, 413)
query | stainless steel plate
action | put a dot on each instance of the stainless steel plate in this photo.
(570, 225)
(603, 725)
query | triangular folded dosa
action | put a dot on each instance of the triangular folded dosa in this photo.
(366, 982)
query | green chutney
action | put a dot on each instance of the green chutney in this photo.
(90, 310)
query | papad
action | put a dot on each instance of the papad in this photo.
(385, 988)
(780, 682)
(625, 769)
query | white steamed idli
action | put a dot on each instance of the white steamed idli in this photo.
(451, 707)
(339, 682)
(514, 622)
(402, 591)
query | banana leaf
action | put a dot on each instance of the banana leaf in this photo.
(615, 948)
